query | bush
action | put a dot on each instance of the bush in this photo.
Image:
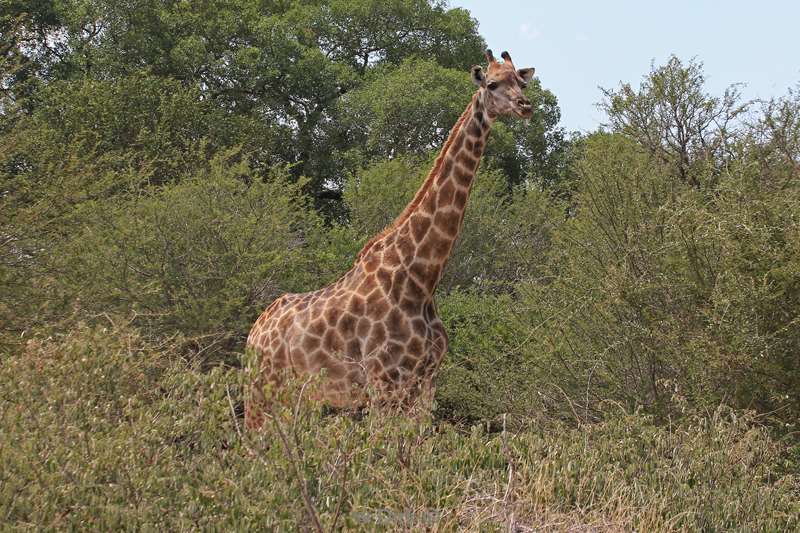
(505, 236)
(94, 145)
(377, 194)
(655, 287)
(105, 430)
(201, 257)
(484, 376)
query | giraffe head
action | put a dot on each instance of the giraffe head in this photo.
(501, 86)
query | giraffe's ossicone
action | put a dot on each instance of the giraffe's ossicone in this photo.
(376, 327)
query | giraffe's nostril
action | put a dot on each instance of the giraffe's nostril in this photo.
(524, 102)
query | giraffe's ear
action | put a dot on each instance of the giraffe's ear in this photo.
(526, 73)
(477, 76)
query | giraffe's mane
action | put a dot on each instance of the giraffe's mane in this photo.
(426, 185)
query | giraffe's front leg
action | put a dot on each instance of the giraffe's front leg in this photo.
(436, 349)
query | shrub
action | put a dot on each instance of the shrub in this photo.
(86, 145)
(656, 287)
(200, 257)
(104, 430)
(377, 194)
(484, 375)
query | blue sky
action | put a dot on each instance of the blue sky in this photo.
(577, 46)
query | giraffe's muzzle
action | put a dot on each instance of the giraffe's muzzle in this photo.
(524, 108)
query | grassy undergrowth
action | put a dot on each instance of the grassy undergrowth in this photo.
(103, 430)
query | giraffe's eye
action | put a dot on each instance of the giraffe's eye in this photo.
(492, 85)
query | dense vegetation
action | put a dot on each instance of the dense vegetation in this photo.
(623, 306)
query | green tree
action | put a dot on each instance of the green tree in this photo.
(676, 120)
(774, 136)
(404, 109)
(286, 63)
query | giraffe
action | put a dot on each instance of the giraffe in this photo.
(376, 327)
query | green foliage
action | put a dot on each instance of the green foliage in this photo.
(608, 289)
(181, 164)
(84, 129)
(776, 136)
(485, 375)
(657, 288)
(365, 32)
(104, 430)
(203, 256)
(375, 195)
(673, 117)
(406, 109)
(651, 291)
(522, 219)
(288, 63)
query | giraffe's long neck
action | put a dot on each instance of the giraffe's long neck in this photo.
(421, 239)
